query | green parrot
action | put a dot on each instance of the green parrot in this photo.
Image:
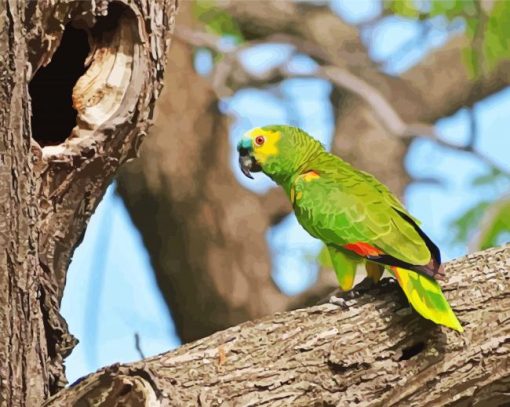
(358, 218)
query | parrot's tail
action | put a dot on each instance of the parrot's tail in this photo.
(426, 297)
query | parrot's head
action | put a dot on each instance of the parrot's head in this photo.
(279, 151)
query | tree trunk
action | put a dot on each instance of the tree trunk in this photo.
(59, 148)
(376, 353)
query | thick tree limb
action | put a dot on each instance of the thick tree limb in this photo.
(377, 353)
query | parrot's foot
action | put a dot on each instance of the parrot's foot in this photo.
(337, 297)
(365, 285)
(341, 302)
(388, 282)
(340, 298)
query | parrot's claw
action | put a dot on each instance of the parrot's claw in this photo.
(341, 302)
(340, 297)
(388, 282)
(337, 297)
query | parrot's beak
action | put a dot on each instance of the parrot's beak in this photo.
(247, 162)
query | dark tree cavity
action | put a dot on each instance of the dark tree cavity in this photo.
(51, 89)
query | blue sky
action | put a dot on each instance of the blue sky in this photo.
(111, 293)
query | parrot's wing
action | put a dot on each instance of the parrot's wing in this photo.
(350, 209)
(388, 195)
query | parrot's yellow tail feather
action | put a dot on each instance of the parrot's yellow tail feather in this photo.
(426, 297)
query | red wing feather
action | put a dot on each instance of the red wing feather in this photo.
(363, 249)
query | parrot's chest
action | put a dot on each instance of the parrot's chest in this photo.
(307, 197)
(318, 226)
(306, 221)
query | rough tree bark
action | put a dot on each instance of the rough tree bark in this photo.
(190, 212)
(376, 353)
(52, 179)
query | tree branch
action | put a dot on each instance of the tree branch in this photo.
(393, 122)
(230, 75)
(138, 346)
(414, 94)
(405, 106)
(376, 353)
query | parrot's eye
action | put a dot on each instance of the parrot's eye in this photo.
(259, 140)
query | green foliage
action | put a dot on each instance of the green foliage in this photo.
(495, 224)
(488, 29)
(449, 8)
(453, 8)
(464, 225)
(403, 8)
(491, 219)
(497, 34)
(217, 21)
(487, 179)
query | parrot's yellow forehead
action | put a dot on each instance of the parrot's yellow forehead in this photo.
(268, 148)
